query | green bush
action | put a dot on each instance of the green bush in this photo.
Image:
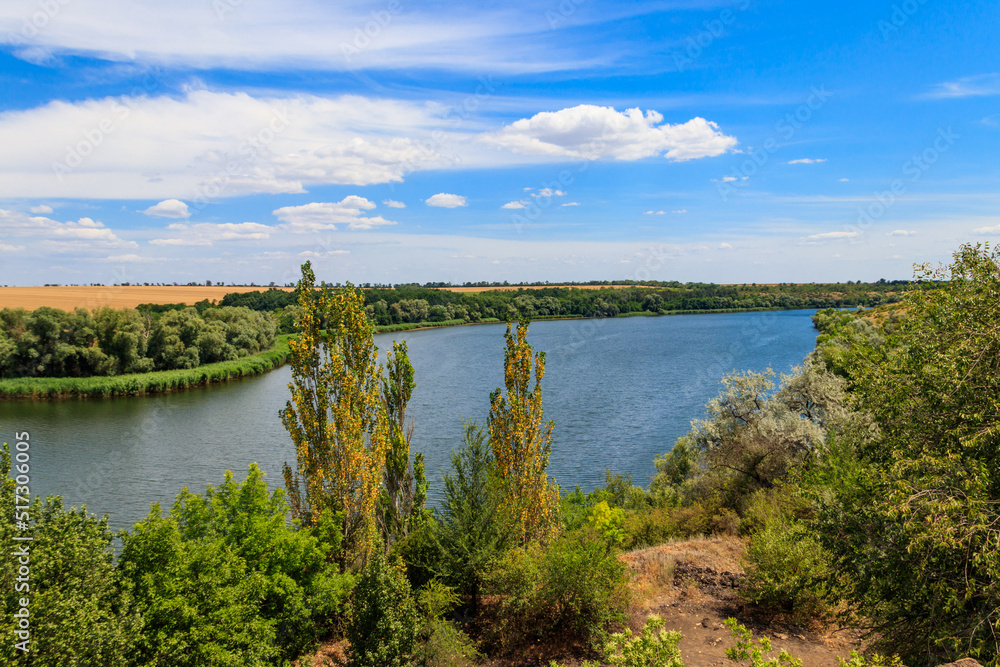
(574, 586)
(753, 652)
(383, 622)
(655, 647)
(77, 613)
(787, 571)
(224, 580)
(442, 643)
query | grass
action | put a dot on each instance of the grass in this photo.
(138, 384)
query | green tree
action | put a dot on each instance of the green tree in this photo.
(913, 518)
(77, 614)
(336, 416)
(521, 441)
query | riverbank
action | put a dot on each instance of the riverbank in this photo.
(140, 384)
(159, 382)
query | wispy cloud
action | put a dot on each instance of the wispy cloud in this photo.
(807, 160)
(967, 86)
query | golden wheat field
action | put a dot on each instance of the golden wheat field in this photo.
(68, 298)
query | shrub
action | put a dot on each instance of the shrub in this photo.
(383, 622)
(575, 585)
(787, 571)
(443, 644)
(77, 614)
(753, 652)
(655, 647)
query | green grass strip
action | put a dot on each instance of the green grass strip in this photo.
(138, 384)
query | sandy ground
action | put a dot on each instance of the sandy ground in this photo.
(68, 298)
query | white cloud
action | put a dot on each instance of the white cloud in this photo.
(807, 160)
(681, 210)
(443, 200)
(830, 236)
(655, 213)
(571, 203)
(515, 204)
(325, 216)
(206, 233)
(169, 208)
(313, 35)
(725, 246)
(320, 255)
(5, 247)
(902, 232)
(548, 192)
(80, 236)
(592, 132)
(392, 203)
(987, 230)
(968, 86)
(729, 179)
(131, 259)
(207, 145)
(41, 208)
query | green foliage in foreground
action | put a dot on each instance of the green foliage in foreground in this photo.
(754, 652)
(383, 621)
(155, 382)
(654, 647)
(222, 581)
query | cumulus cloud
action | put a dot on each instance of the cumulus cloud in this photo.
(655, 213)
(845, 180)
(548, 192)
(725, 246)
(169, 208)
(571, 203)
(80, 236)
(6, 247)
(902, 232)
(515, 204)
(987, 230)
(444, 200)
(131, 259)
(42, 208)
(206, 233)
(680, 210)
(325, 216)
(593, 132)
(392, 203)
(807, 160)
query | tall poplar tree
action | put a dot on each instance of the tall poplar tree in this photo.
(521, 441)
(336, 416)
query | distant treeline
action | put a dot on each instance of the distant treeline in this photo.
(48, 342)
(410, 303)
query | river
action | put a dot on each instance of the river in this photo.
(621, 391)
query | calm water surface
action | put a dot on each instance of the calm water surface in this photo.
(620, 391)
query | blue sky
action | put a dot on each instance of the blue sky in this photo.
(390, 141)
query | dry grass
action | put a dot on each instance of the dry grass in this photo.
(69, 298)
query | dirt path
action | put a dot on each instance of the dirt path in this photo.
(692, 587)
